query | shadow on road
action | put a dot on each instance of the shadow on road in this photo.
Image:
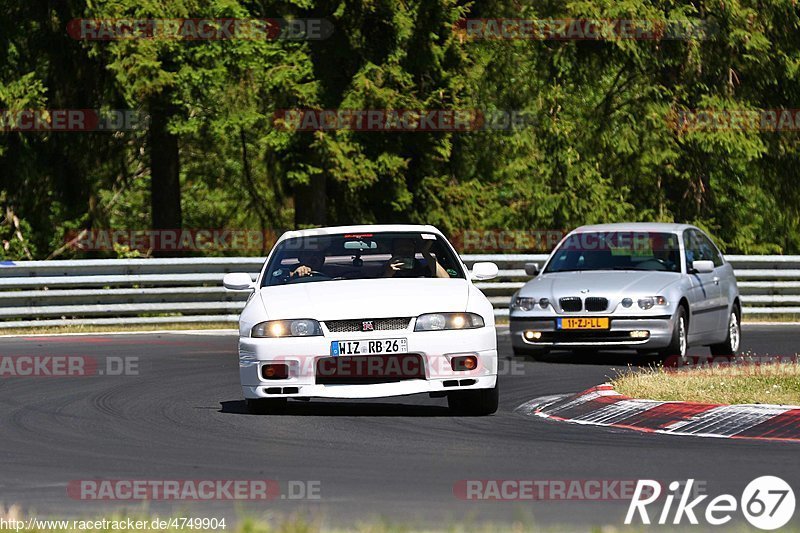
(342, 408)
(598, 358)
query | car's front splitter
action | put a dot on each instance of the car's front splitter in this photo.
(375, 390)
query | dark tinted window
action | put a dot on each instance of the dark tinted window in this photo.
(617, 250)
(708, 251)
(361, 256)
(691, 250)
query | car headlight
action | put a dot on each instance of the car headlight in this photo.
(651, 301)
(442, 321)
(523, 304)
(286, 328)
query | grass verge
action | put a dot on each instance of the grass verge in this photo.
(738, 382)
(750, 318)
(60, 330)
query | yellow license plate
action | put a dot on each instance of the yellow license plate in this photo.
(583, 323)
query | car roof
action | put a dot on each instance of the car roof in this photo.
(363, 228)
(664, 227)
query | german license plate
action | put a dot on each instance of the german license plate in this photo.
(583, 323)
(369, 347)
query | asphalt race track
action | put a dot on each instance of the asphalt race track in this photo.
(182, 417)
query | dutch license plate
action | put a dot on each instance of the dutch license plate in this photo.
(583, 323)
(369, 347)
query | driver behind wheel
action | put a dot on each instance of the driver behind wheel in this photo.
(311, 261)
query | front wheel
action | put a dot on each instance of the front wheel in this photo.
(731, 344)
(679, 344)
(480, 402)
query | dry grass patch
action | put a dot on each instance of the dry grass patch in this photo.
(740, 382)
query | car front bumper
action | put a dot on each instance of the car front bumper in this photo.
(658, 329)
(302, 354)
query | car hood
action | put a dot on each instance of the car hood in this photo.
(614, 285)
(371, 298)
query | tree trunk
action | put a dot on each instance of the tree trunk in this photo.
(165, 187)
(311, 202)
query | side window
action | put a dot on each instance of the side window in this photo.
(690, 248)
(708, 250)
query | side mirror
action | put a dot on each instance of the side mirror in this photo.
(532, 269)
(484, 270)
(703, 267)
(238, 281)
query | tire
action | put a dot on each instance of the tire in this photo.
(734, 339)
(264, 406)
(480, 402)
(679, 344)
(533, 353)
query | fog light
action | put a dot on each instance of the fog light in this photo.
(275, 371)
(469, 362)
(532, 335)
(639, 334)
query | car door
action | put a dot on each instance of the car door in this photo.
(704, 292)
(721, 278)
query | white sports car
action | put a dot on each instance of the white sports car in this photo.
(367, 312)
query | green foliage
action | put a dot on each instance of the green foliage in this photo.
(601, 146)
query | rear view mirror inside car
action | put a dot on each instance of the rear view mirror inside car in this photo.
(360, 245)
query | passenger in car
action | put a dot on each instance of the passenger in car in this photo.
(404, 264)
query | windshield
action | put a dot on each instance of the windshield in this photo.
(361, 256)
(624, 250)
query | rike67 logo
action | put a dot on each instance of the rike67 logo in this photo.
(767, 503)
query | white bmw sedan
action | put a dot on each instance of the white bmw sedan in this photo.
(367, 312)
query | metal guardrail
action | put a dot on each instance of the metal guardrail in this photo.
(189, 290)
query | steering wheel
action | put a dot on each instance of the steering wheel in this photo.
(316, 274)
